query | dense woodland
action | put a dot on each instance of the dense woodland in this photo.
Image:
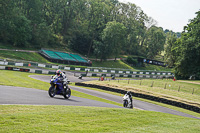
(100, 28)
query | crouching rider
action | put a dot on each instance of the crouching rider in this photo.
(63, 77)
(130, 96)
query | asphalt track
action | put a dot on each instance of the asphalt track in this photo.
(28, 96)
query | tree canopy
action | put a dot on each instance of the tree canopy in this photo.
(184, 53)
(82, 25)
(188, 50)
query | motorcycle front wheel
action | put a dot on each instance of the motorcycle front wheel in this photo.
(125, 104)
(67, 93)
(51, 91)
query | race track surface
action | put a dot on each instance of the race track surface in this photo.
(20, 95)
(28, 96)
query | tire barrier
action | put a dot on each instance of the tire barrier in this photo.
(123, 76)
(145, 96)
(27, 70)
(17, 69)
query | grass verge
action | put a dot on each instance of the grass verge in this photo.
(144, 86)
(111, 64)
(35, 57)
(18, 118)
(149, 101)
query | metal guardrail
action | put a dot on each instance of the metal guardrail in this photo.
(88, 69)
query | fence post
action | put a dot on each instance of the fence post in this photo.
(179, 88)
(140, 82)
(165, 85)
(118, 80)
(152, 84)
(193, 91)
(128, 81)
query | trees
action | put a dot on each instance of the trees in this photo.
(111, 41)
(155, 41)
(114, 35)
(170, 53)
(6, 20)
(85, 25)
(188, 50)
(21, 31)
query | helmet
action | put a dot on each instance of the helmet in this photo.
(128, 92)
(58, 72)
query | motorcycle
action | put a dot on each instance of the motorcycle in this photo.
(127, 101)
(57, 87)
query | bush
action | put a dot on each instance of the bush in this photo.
(131, 61)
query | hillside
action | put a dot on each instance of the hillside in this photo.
(35, 57)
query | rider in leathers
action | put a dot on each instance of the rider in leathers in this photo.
(130, 96)
(63, 76)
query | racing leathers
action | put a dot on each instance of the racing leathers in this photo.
(63, 79)
(130, 96)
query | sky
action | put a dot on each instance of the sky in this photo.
(169, 14)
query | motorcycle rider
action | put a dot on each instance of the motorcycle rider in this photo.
(130, 96)
(63, 76)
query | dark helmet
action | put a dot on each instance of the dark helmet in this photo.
(58, 72)
(128, 92)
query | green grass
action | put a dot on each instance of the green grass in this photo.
(149, 101)
(111, 64)
(21, 79)
(32, 56)
(170, 92)
(35, 57)
(154, 68)
(18, 118)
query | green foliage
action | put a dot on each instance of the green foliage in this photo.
(170, 54)
(155, 41)
(101, 50)
(40, 36)
(78, 23)
(132, 61)
(6, 19)
(187, 50)
(21, 31)
(80, 42)
(113, 36)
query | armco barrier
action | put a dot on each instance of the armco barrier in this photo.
(79, 74)
(145, 96)
(89, 69)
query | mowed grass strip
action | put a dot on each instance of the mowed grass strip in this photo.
(158, 89)
(18, 118)
(32, 56)
(111, 64)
